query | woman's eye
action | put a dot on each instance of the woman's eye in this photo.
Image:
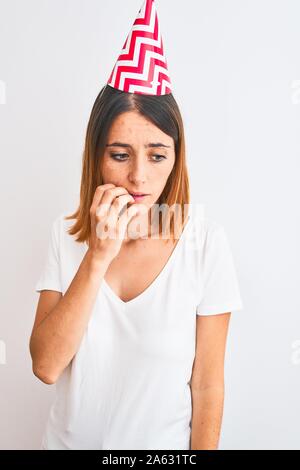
(159, 156)
(117, 155)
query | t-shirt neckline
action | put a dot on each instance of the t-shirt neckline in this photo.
(111, 293)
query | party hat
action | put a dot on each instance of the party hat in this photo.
(142, 66)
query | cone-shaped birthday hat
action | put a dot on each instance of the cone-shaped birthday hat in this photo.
(142, 67)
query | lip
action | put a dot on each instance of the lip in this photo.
(138, 198)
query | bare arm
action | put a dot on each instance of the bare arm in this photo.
(61, 320)
(56, 339)
(207, 383)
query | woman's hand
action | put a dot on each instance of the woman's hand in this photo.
(108, 227)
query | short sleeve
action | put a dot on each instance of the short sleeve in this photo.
(50, 278)
(221, 292)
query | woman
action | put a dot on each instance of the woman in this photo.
(134, 366)
(132, 327)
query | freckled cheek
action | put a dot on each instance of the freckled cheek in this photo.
(110, 169)
(158, 179)
(109, 164)
(162, 173)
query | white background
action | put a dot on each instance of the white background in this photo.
(235, 70)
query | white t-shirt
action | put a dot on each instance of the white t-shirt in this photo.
(128, 385)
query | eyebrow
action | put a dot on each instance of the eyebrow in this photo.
(151, 144)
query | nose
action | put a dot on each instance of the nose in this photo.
(137, 172)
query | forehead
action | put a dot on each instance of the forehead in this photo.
(131, 127)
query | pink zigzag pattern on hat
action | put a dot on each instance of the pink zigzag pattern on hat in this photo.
(142, 66)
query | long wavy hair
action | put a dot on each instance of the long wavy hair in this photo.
(164, 113)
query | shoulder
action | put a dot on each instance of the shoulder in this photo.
(60, 227)
(58, 224)
(67, 242)
(211, 240)
(206, 228)
(61, 223)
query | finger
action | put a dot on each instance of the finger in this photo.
(109, 197)
(125, 218)
(111, 193)
(116, 211)
(117, 207)
(98, 196)
(106, 224)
